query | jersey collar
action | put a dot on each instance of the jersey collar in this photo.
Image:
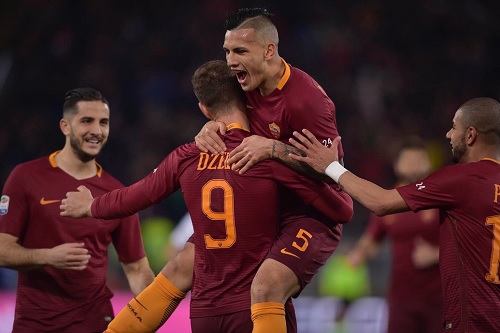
(53, 163)
(286, 75)
(236, 125)
(491, 159)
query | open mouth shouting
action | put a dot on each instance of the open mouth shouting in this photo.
(241, 76)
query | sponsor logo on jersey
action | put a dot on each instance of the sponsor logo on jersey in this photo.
(275, 130)
(47, 202)
(420, 186)
(284, 251)
(4, 204)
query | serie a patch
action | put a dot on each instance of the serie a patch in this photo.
(4, 204)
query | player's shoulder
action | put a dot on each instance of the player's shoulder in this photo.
(483, 169)
(456, 173)
(32, 166)
(181, 157)
(470, 168)
(299, 77)
(301, 83)
(109, 181)
(187, 149)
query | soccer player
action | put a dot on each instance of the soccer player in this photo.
(467, 196)
(62, 264)
(281, 99)
(414, 295)
(235, 217)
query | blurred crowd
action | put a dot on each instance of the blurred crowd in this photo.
(392, 68)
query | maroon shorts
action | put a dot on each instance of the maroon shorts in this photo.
(305, 245)
(238, 322)
(229, 323)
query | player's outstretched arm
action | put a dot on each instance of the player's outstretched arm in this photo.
(325, 160)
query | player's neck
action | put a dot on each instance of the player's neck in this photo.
(236, 114)
(274, 74)
(69, 162)
(236, 122)
(492, 152)
(480, 151)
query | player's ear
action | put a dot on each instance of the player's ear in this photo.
(270, 51)
(471, 135)
(64, 125)
(204, 110)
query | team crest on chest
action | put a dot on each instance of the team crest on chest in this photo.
(275, 130)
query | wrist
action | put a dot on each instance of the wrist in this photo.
(274, 149)
(335, 170)
(42, 257)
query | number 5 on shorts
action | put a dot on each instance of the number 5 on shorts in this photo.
(304, 236)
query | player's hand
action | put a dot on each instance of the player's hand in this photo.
(73, 256)
(355, 258)
(317, 156)
(424, 254)
(77, 204)
(207, 140)
(252, 150)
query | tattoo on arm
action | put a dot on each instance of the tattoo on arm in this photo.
(273, 150)
(280, 152)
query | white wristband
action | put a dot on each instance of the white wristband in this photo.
(335, 170)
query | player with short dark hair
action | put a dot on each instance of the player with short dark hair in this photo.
(62, 264)
(467, 195)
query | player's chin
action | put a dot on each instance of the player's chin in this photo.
(91, 153)
(246, 87)
(94, 150)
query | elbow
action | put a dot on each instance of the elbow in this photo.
(346, 216)
(381, 210)
(346, 211)
(379, 213)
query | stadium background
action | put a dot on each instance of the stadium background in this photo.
(392, 68)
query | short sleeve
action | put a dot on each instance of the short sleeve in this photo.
(15, 205)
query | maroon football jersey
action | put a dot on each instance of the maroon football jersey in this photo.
(58, 300)
(407, 282)
(298, 102)
(467, 195)
(235, 217)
